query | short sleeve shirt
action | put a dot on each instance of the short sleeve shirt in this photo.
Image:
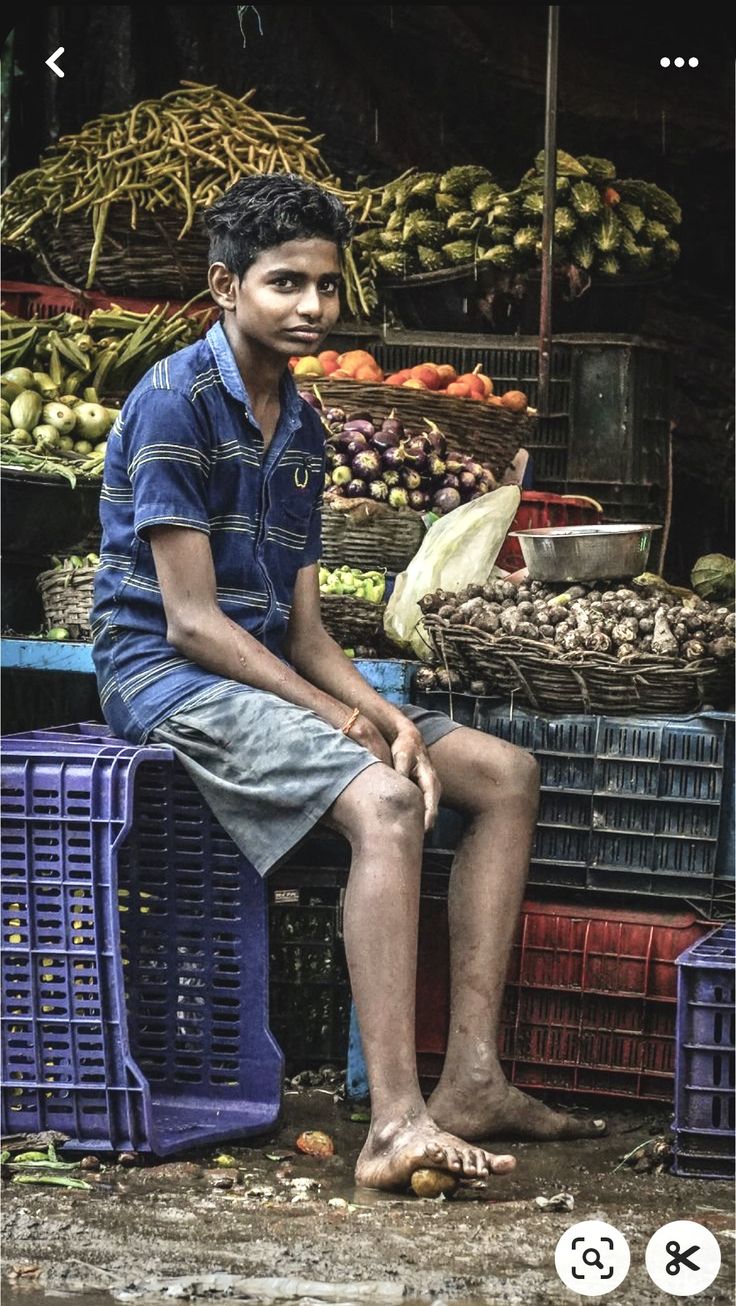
(187, 451)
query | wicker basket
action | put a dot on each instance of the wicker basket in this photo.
(386, 541)
(352, 621)
(539, 676)
(149, 261)
(67, 599)
(490, 433)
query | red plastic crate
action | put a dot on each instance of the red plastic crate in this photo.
(24, 299)
(537, 509)
(591, 999)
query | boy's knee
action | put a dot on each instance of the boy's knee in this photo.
(391, 807)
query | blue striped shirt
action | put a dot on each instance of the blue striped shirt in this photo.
(187, 451)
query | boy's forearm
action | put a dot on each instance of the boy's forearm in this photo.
(219, 645)
(321, 661)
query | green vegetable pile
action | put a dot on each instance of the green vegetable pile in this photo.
(605, 226)
(370, 585)
(52, 419)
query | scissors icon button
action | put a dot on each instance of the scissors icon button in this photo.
(683, 1258)
(680, 1258)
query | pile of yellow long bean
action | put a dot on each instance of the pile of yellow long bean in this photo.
(180, 152)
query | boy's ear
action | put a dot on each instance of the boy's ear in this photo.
(222, 284)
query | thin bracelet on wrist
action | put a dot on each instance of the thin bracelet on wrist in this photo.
(351, 721)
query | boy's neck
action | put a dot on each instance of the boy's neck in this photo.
(260, 369)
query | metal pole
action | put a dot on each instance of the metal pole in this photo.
(548, 221)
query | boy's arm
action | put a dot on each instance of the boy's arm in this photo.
(322, 662)
(199, 630)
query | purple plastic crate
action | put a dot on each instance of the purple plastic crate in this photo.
(705, 1092)
(135, 952)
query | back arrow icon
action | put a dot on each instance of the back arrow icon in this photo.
(51, 62)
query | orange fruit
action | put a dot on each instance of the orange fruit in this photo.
(515, 400)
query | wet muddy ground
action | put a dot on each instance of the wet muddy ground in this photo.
(191, 1230)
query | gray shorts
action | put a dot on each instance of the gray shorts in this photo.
(269, 770)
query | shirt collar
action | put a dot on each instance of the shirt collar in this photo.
(233, 381)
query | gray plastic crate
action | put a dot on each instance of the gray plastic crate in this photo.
(635, 806)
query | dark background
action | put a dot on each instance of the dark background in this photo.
(394, 86)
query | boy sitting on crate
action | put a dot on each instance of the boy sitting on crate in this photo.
(208, 638)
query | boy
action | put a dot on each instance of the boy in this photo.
(208, 638)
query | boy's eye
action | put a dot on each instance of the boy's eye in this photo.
(329, 284)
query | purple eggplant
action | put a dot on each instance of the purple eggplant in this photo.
(334, 415)
(384, 439)
(455, 462)
(367, 464)
(467, 481)
(357, 424)
(417, 500)
(312, 400)
(411, 479)
(450, 482)
(356, 489)
(394, 459)
(391, 478)
(474, 468)
(358, 444)
(341, 475)
(340, 459)
(378, 490)
(436, 468)
(416, 451)
(392, 423)
(398, 498)
(446, 500)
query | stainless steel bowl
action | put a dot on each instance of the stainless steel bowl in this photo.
(585, 552)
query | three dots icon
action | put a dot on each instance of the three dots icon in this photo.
(679, 62)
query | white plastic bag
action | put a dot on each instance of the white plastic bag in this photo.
(458, 550)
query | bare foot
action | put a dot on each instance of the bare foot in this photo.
(393, 1152)
(503, 1111)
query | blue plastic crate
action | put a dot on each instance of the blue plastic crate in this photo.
(135, 952)
(705, 1059)
(628, 805)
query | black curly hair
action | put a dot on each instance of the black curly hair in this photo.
(260, 212)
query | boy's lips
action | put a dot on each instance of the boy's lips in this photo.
(305, 333)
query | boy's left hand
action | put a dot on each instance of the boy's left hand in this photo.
(410, 758)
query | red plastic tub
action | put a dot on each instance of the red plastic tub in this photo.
(24, 299)
(538, 508)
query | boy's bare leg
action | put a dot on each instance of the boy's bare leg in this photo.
(381, 814)
(497, 784)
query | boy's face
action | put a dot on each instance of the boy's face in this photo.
(289, 298)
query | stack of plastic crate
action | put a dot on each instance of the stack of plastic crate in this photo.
(705, 1070)
(634, 806)
(134, 957)
(635, 813)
